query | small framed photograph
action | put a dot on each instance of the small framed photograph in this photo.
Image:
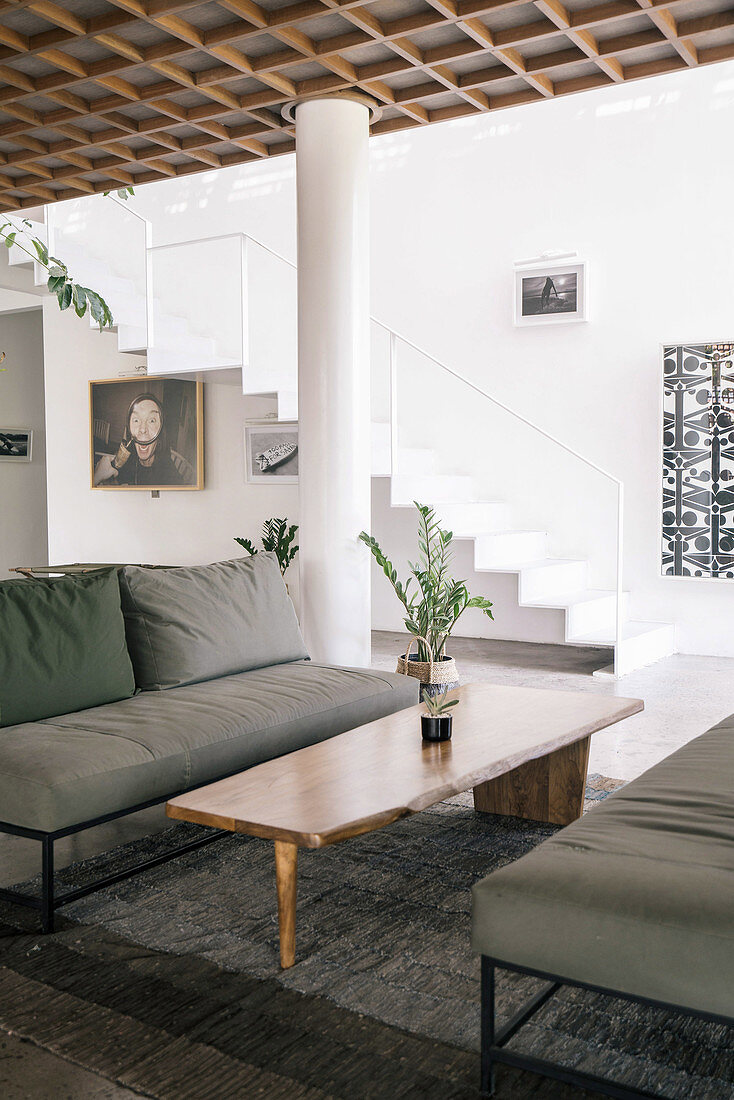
(146, 433)
(551, 293)
(16, 444)
(271, 452)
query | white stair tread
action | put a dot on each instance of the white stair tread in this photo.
(511, 531)
(476, 504)
(515, 567)
(629, 630)
(570, 599)
(463, 503)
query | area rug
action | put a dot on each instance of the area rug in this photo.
(169, 983)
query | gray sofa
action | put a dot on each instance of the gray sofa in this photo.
(635, 899)
(66, 772)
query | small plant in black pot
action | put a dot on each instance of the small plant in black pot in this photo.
(436, 725)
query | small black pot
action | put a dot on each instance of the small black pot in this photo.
(436, 729)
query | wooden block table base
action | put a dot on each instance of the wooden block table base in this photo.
(524, 751)
(550, 788)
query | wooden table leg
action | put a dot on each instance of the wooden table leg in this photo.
(286, 868)
(550, 788)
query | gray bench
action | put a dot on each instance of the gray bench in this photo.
(636, 899)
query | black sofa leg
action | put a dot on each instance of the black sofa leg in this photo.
(487, 1028)
(47, 885)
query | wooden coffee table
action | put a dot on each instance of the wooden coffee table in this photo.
(524, 751)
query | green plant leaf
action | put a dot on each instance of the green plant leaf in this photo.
(41, 250)
(64, 295)
(79, 296)
(438, 600)
(247, 545)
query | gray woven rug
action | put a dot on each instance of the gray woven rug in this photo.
(169, 983)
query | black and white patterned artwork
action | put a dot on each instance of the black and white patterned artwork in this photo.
(698, 460)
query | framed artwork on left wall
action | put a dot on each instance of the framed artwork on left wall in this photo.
(16, 444)
(146, 433)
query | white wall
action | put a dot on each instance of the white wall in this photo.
(626, 177)
(23, 532)
(637, 179)
(176, 528)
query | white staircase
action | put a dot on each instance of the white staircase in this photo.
(267, 357)
(543, 582)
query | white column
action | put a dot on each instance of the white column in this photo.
(334, 377)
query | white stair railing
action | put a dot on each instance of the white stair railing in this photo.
(396, 339)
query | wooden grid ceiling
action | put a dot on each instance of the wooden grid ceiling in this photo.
(99, 94)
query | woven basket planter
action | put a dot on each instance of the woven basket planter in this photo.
(435, 676)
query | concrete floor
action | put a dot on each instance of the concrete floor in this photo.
(683, 696)
(28, 1072)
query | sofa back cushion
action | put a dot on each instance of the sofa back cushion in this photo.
(62, 646)
(194, 623)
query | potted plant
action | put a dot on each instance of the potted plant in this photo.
(433, 600)
(436, 725)
(277, 537)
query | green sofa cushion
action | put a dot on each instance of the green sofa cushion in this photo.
(638, 895)
(62, 646)
(79, 766)
(194, 623)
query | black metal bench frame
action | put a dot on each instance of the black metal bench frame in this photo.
(49, 901)
(495, 1039)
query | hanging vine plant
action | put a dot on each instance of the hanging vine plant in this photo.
(69, 293)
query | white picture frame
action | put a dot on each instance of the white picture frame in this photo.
(266, 438)
(16, 444)
(552, 292)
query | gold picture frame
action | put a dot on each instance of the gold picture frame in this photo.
(146, 433)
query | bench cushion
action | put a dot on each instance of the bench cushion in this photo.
(71, 769)
(638, 895)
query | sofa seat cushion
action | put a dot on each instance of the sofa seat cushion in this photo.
(638, 895)
(66, 770)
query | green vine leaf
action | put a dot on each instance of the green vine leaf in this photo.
(79, 297)
(41, 250)
(64, 295)
(58, 282)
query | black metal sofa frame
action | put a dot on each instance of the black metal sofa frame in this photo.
(494, 1039)
(49, 901)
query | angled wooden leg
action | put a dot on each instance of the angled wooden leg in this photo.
(286, 868)
(550, 788)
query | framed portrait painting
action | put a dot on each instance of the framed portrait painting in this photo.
(551, 293)
(271, 452)
(146, 433)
